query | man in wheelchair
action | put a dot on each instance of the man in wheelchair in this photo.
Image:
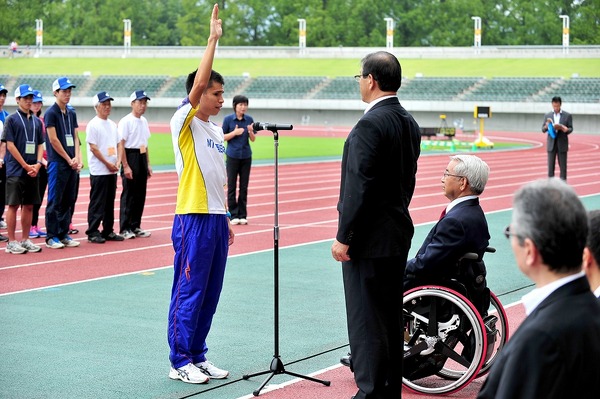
(462, 229)
(452, 253)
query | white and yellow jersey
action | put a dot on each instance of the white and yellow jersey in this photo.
(199, 147)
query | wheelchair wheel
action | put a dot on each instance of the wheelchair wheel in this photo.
(501, 332)
(443, 333)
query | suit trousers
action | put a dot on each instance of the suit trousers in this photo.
(133, 196)
(238, 167)
(562, 162)
(373, 292)
(101, 209)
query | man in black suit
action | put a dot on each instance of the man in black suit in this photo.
(562, 122)
(375, 229)
(554, 353)
(462, 226)
(591, 253)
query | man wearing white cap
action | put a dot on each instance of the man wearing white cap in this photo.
(24, 144)
(102, 139)
(64, 164)
(135, 172)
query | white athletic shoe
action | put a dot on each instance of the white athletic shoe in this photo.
(211, 370)
(30, 247)
(188, 373)
(235, 221)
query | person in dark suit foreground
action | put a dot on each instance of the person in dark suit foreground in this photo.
(591, 253)
(462, 226)
(379, 164)
(555, 351)
(562, 123)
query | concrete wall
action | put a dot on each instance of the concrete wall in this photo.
(505, 116)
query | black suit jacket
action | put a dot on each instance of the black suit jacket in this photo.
(555, 353)
(463, 229)
(379, 164)
(562, 138)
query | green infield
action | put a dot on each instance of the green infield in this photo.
(487, 67)
(296, 148)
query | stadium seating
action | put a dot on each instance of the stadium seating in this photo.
(434, 89)
(576, 90)
(340, 88)
(43, 83)
(289, 87)
(509, 89)
(123, 86)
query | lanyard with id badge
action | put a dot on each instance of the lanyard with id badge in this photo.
(29, 144)
(68, 132)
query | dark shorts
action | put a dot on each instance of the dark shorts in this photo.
(22, 190)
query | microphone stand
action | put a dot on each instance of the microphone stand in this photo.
(277, 366)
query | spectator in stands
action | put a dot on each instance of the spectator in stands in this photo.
(42, 178)
(135, 171)
(375, 228)
(557, 146)
(201, 230)
(102, 139)
(238, 131)
(554, 353)
(64, 165)
(591, 253)
(3, 115)
(25, 146)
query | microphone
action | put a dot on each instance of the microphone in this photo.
(270, 126)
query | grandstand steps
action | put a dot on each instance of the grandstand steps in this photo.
(470, 89)
(318, 88)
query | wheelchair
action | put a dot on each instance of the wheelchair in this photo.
(453, 330)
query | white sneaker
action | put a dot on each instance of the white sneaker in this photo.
(14, 247)
(211, 370)
(188, 373)
(30, 247)
(54, 243)
(127, 234)
(3, 224)
(243, 221)
(235, 221)
(141, 233)
(69, 242)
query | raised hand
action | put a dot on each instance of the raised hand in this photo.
(216, 28)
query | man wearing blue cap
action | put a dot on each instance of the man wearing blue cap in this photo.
(64, 164)
(3, 115)
(24, 144)
(135, 172)
(36, 109)
(102, 139)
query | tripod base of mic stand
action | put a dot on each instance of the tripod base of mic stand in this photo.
(278, 368)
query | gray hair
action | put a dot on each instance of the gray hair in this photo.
(474, 169)
(549, 212)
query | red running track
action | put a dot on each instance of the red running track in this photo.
(307, 211)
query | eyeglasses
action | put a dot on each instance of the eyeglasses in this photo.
(357, 77)
(446, 174)
(508, 234)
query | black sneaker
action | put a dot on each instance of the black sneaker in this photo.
(114, 237)
(96, 239)
(3, 238)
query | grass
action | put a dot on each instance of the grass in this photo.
(160, 148)
(585, 67)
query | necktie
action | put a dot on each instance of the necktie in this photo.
(443, 214)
